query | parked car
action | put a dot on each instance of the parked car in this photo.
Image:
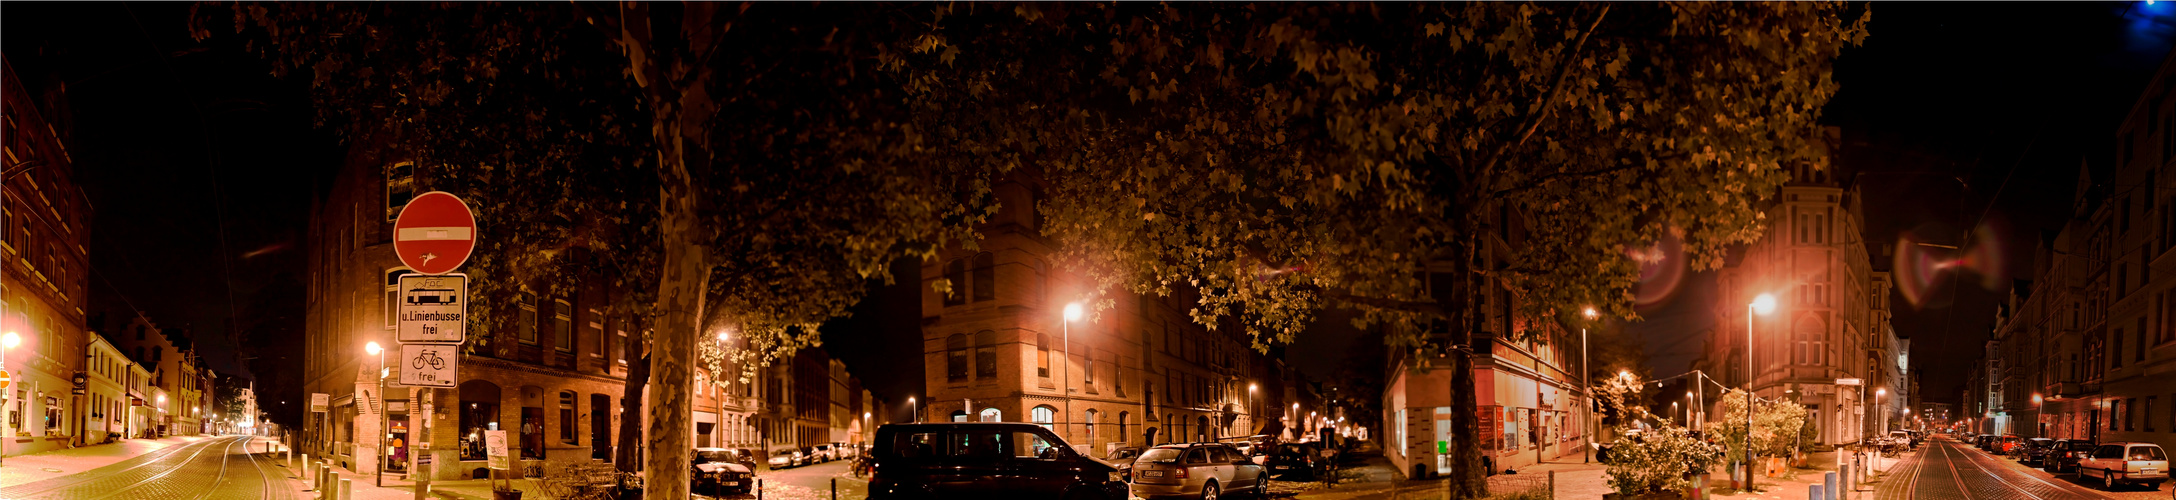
(1123, 459)
(1896, 441)
(786, 456)
(1296, 460)
(2008, 444)
(721, 471)
(822, 453)
(2126, 463)
(1980, 441)
(986, 460)
(2035, 450)
(2065, 454)
(1201, 470)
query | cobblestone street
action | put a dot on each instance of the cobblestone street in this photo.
(211, 468)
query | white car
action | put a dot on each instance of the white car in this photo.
(2126, 463)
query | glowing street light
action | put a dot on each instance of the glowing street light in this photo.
(1065, 370)
(1762, 304)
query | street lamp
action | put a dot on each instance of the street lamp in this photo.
(1762, 304)
(8, 341)
(914, 410)
(1251, 410)
(1878, 393)
(378, 474)
(1587, 450)
(1065, 375)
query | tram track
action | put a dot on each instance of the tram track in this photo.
(101, 479)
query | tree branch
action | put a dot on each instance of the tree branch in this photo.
(1546, 179)
(1548, 102)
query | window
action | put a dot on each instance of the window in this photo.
(955, 357)
(567, 424)
(1089, 420)
(955, 272)
(991, 415)
(53, 420)
(2146, 413)
(1043, 415)
(528, 318)
(2141, 332)
(2115, 350)
(1042, 355)
(400, 186)
(2130, 414)
(1088, 366)
(985, 277)
(563, 326)
(1122, 418)
(985, 354)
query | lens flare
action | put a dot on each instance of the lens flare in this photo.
(1662, 269)
(1920, 266)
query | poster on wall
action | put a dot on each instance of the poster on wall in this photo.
(1443, 439)
(1490, 441)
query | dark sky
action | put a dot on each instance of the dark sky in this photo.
(198, 164)
(2007, 97)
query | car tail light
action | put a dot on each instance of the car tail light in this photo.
(1179, 473)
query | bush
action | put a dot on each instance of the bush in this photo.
(1659, 460)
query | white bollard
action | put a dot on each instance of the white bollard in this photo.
(347, 489)
(332, 485)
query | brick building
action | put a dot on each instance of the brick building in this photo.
(1142, 372)
(44, 279)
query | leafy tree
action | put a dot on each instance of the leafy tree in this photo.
(1658, 460)
(1778, 427)
(1285, 158)
(741, 165)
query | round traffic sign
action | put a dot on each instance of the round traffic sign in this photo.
(435, 233)
(4, 379)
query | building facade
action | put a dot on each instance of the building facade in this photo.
(44, 279)
(172, 367)
(106, 400)
(1138, 372)
(1831, 319)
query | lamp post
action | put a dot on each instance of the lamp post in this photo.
(378, 466)
(1065, 339)
(1762, 304)
(1586, 450)
(8, 341)
(1251, 410)
(1883, 420)
(914, 411)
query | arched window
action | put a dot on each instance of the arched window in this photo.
(992, 415)
(567, 424)
(955, 272)
(955, 357)
(985, 354)
(1089, 420)
(1042, 415)
(985, 277)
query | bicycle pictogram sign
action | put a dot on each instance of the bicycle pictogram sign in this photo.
(430, 358)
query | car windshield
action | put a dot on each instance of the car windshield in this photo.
(715, 456)
(1161, 455)
(2147, 453)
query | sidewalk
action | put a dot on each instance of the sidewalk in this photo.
(1794, 484)
(25, 469)
(1373, 478)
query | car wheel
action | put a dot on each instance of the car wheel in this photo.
(1208, 491)
(2107, 481)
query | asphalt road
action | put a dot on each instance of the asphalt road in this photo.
(213, 468)
(1950, 470)
(810, 482)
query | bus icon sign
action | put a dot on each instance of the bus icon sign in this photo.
(432, 309)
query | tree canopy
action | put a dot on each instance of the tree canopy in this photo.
(1280, 157)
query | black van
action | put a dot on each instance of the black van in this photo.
(986, 460)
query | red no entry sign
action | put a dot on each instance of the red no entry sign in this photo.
(435, 233)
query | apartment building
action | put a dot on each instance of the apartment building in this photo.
(44, 277)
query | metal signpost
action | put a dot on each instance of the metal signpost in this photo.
(434, 235)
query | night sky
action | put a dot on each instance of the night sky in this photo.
(201, 166)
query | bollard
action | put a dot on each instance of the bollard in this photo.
(759, 489)
(1844, 484)
(1828, 486)
(347, 489)
(1813, 492)
(1552, 485)
(834, 488)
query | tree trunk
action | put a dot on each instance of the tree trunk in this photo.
(638, 377)
(681, 290)
(1467, 480)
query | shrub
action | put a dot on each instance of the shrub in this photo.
(1658, 460)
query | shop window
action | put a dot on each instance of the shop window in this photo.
(532, 433)
(992, 415)
(476, 418)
